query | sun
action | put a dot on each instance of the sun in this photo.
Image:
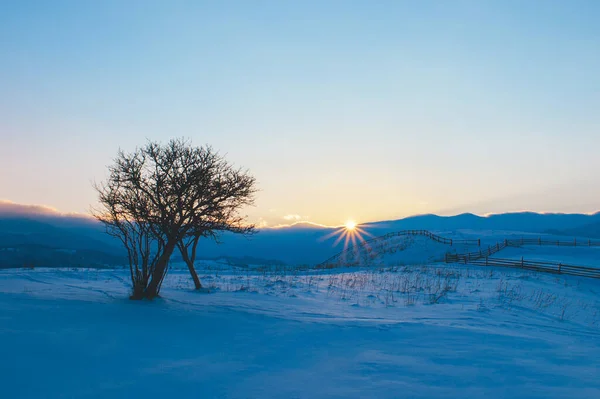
(353, 237)
(350, 225)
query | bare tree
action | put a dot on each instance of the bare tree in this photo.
(176, 193)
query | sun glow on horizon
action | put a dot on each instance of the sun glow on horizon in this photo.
(352, 236)
(350, 225)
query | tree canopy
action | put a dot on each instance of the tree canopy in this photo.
(163, 197)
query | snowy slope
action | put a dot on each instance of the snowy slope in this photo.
(398, 251)
(419, 332)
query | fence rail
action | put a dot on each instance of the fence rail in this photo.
(539, 241)
(482, 257)
(470, 256)
(492, 249)
(547, 267)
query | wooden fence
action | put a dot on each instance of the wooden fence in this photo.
(547, 267)
(492, 249)
(470, 256)
(539, 241)
(482, 257)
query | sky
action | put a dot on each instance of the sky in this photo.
(363, 110)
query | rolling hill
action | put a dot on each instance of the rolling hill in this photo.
(53, 240)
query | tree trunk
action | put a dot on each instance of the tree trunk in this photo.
(190, 258)
(190, 264)
(197, 282)
(160, 270)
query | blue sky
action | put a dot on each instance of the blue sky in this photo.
(342, 109)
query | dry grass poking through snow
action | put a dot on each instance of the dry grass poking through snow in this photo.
(483, 289)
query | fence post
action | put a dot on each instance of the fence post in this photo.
(559, 265)
(522, 262)
(451, 242)
(479, 242)
(486, 260)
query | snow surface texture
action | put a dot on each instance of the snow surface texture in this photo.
(257, 332)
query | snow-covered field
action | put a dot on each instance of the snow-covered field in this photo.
(388, 332)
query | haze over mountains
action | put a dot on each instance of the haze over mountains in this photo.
(37, 236)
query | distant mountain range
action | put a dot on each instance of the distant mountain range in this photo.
(522, 221)
(46, 239)
(56, 241)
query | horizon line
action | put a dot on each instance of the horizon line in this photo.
(20, 209)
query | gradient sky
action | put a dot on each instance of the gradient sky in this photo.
(342, 109)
